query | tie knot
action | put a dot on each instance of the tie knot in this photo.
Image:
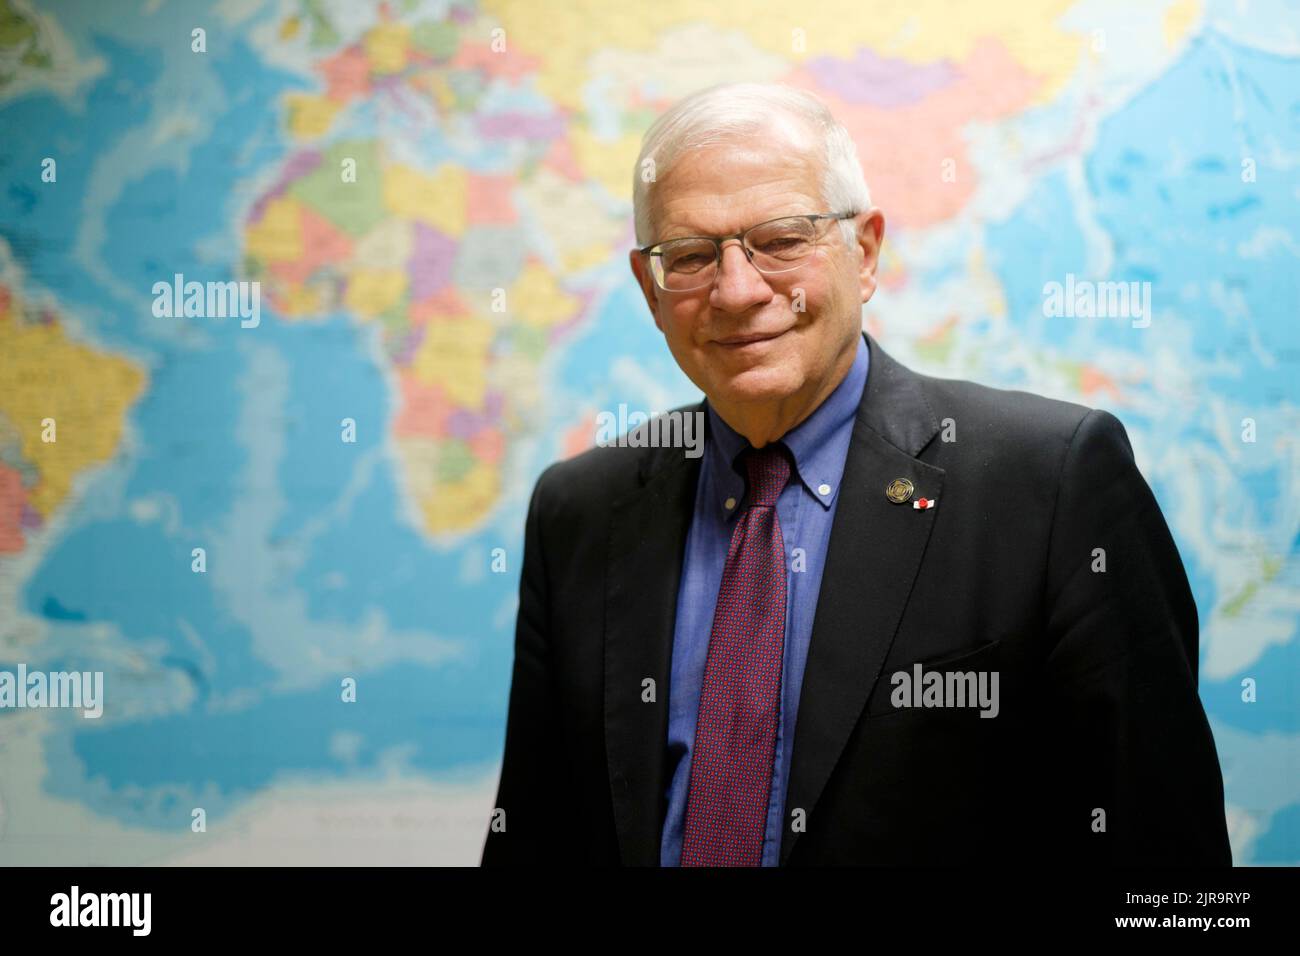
(768, 469)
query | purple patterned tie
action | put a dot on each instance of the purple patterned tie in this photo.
(735, 736)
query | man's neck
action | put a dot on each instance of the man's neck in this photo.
(764, 422)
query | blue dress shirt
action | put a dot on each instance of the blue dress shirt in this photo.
(805, 511)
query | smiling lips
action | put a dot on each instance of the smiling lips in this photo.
(740, 341)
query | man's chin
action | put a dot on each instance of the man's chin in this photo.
(754, 386)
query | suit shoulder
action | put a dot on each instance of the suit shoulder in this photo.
(1003, 419)
(602, 469)
(608, 471)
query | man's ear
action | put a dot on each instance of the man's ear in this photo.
(647, 283)
(870, 234)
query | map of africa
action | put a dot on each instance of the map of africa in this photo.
(236, 519)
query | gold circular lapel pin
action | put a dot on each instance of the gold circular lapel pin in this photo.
(899, 490)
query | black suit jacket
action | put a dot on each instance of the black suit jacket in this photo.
(1101, 752)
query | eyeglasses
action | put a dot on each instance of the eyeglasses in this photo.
(775, 246)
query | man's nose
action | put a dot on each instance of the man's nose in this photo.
(739, 285)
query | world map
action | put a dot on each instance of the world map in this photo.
(292, 546)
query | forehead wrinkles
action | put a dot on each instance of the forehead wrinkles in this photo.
(722, 190)
(702, 216)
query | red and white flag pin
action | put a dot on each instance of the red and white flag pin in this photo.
(922, 504)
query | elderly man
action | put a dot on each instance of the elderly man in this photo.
(884, 618)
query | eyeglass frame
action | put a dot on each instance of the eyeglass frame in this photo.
(749, 253)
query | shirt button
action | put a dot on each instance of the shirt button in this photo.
(823, 490)
(729, 503)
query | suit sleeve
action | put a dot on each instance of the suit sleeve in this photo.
(525, 821)
(1129, 736)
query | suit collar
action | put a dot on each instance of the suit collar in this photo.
(865, 585)
(894, 405)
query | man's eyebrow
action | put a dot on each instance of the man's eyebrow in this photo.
(684, 232)
(668, 235)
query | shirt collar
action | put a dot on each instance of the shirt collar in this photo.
(818, 444)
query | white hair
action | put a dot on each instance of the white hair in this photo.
(732, 111)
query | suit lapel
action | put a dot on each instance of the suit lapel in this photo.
(872, 559)
(647, 541)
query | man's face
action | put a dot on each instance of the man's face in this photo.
(809, 316)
